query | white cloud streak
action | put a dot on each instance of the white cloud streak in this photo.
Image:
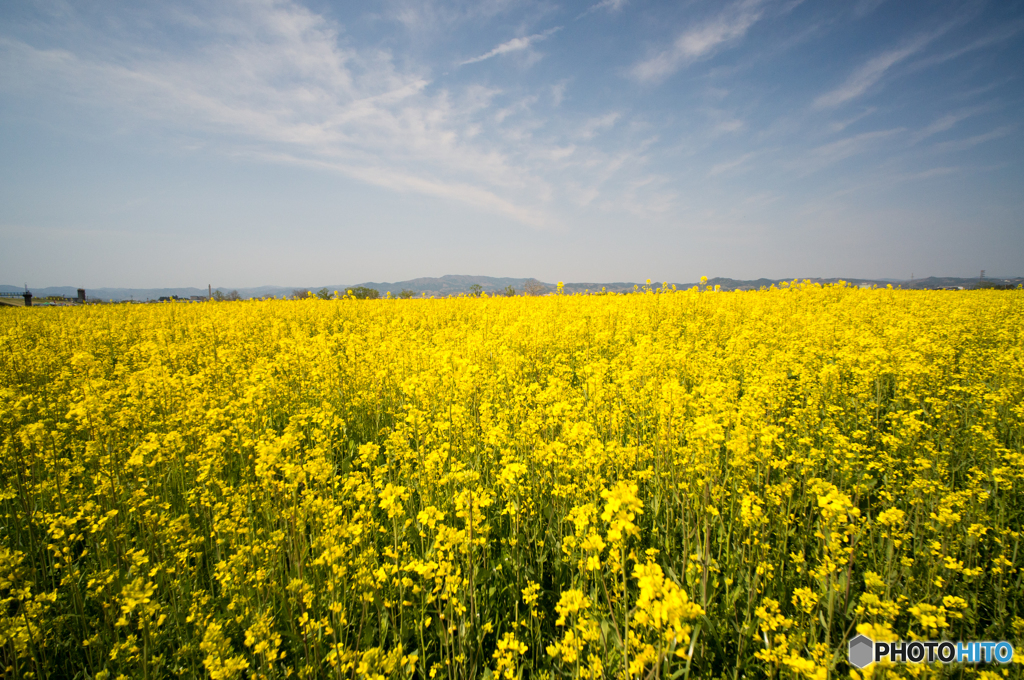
(866, 76)
(611, 5)
(514, 45)
(731, 165)
(874, 70)
(701, 41)
(593, 126)
(970, 142)
(828, 154)
(841, 125)
(402, 182)
(1001, 34)
(946, 122)
(866, 7)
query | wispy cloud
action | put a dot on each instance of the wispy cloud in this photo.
(729, 125)
(983, 89)
(874, 70)
(1001, 34)
(610, 5)
(866, 7)
(833, 152)
(841, 125)
(557, 94)
(521, 106)
(591, 127)
(646, 197)
(946, 122)
(554, 153)
(970, 142)
(925, 174)
(397, 180)
(700, 41)
(731, 165)
(514, 45)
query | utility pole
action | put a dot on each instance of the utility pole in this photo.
(209, 292)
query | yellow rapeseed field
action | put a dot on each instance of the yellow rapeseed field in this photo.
(664, 485)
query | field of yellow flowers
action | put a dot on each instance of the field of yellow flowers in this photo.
(670, 484)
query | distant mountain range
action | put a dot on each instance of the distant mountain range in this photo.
(456, 284)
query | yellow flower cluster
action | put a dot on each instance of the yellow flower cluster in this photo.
(667, 484)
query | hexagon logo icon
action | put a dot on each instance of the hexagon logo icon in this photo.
(860, 651)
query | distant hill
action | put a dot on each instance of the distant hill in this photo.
(457, 284)
(452, 284)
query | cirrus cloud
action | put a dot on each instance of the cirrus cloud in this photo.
(513, 45)
(700, 41)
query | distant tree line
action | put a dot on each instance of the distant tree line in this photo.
(219, 296)
(364, 293)
(531, 287)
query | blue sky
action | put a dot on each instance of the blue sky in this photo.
(244, 143)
